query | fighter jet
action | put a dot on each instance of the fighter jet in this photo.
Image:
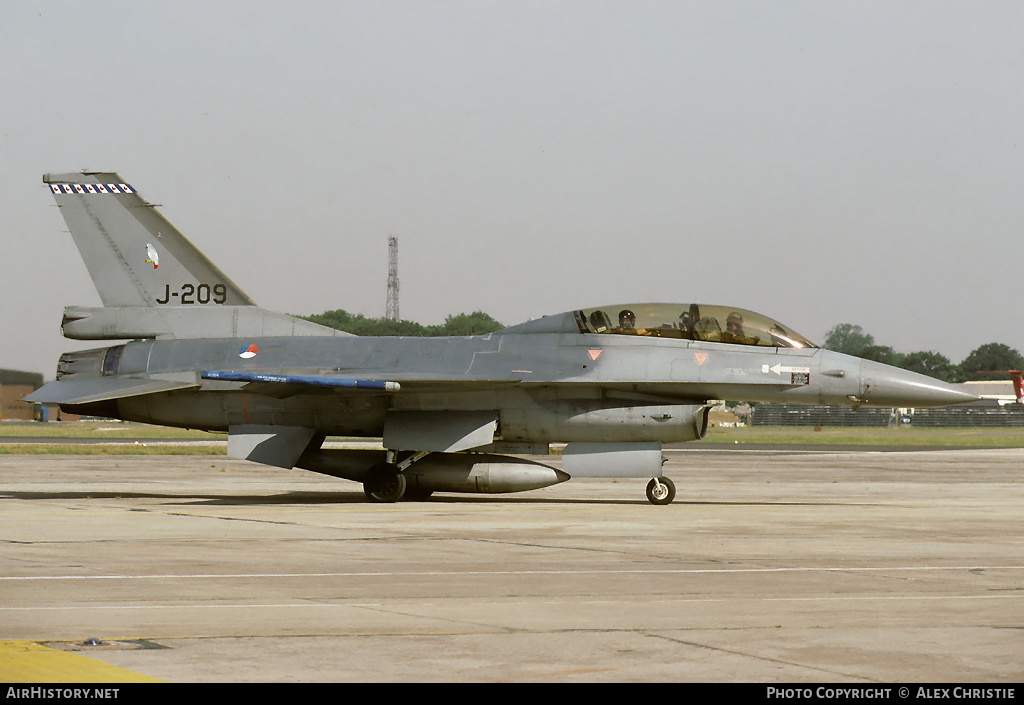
(613, 383)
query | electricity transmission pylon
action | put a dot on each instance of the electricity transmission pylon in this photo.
(392, 308)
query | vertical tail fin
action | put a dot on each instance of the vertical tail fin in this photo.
(1018, 384)
(134, 256)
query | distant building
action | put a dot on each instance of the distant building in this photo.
(13, 386)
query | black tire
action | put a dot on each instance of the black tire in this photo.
(661, 491)
(415, 494)
(384, 483)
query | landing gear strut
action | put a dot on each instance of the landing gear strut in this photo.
(661, 490)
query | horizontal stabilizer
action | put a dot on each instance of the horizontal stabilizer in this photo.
(288, 385)
(170, 322)
(85, 391)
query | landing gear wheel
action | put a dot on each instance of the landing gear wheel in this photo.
(416, 494)
(384, 483)
(661, 490)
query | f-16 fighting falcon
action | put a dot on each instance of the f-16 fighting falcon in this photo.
(611, 382)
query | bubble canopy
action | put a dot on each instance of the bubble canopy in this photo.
(701, 322)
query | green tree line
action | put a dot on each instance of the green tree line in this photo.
(990, 357)
(476, 323)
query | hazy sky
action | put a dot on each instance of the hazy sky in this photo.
(818, 162)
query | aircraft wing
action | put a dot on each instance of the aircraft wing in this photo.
(442, 431)
(84, 391)
(98, 389)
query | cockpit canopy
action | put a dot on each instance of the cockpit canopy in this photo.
(718, 324)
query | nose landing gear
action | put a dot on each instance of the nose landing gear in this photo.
(661, 490)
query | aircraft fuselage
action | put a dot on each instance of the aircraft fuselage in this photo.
(539, 383)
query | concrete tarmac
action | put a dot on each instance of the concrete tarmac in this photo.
(777, 566)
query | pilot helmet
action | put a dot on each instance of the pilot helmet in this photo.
(626, 315)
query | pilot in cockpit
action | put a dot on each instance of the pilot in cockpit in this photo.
(627, 320)
(734, 332)
(627, 324)
(733, 328)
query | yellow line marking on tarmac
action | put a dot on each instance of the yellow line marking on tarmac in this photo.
(28, 662)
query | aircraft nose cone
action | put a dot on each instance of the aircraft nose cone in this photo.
(883, 385)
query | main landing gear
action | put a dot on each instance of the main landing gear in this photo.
(661, 490)
(384, 482)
